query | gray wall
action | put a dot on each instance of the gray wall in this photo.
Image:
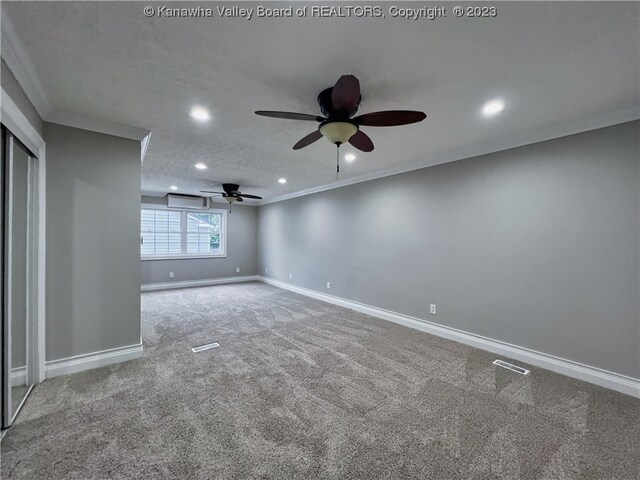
(13, 88)
(93, 224)
(538, 246)
(242, 233)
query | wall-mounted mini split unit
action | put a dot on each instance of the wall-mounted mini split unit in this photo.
(187, 202)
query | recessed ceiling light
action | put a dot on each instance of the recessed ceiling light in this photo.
(199, 113)
(492, 108)
(200, 166)
(282, 180)
(173, 187)
(349, 157)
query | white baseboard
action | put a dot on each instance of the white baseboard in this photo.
(79, 363)
(18, 376)
(603, 378)
(197, 283)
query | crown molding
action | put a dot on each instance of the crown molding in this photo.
(152, 193)
(143, 147)
(541, 135)
(19, 62)
(13, 118)
(83, 122)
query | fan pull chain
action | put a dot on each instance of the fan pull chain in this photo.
(337, 161)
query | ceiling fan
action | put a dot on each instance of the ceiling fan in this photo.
(232, 193)
(338, 105)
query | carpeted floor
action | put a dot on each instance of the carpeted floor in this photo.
(302, 389)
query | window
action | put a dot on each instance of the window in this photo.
(160, 232)
(204, 233)
(179, 234)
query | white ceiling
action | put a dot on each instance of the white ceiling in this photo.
(554, 64)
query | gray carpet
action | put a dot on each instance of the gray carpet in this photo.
(302, 389)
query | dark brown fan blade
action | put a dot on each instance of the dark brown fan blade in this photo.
(239, 199)
(390, 118)
(246, 195)
(209, 191)
(346, 94)
(290, 115)
(361, 141)
(308, 140)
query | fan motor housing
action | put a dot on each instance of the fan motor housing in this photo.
(326, 106)
(230, 187)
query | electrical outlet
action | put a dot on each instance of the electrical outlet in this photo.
(266, 270)
(432, 309)
(291, 276)
(237, 269)
(170, 274)
(328, 284)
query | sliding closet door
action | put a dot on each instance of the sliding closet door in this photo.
(5, 387)
(17, 275)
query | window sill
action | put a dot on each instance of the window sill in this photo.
(181, 257)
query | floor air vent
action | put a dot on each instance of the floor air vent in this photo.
(202, 348)
(510, 366)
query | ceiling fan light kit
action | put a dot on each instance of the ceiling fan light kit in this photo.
(339, 103)
(338, 132)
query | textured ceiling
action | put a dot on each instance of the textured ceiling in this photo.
(553, 64)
